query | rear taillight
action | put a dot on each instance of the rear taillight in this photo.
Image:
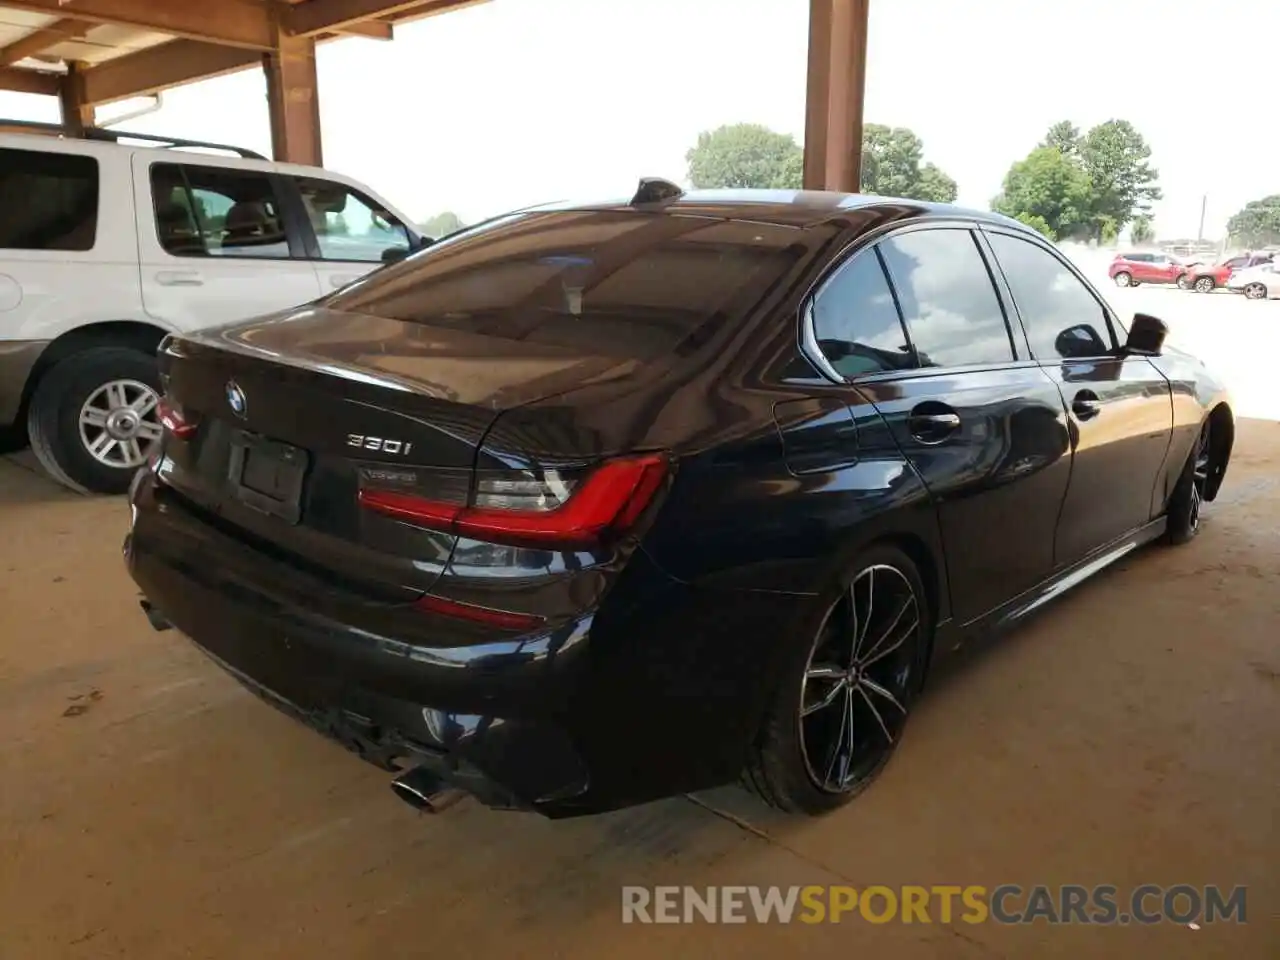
(174, 420)
(549, 509)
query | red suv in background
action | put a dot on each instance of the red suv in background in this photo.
(1204, 279)
(1131, 269)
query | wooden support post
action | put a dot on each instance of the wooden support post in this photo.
(294, 100)
(836, 89)
(77, 112)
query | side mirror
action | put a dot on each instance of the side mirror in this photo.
(394, 254)
(1146, 335)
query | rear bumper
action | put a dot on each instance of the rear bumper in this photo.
(17, 359)
(627, 703)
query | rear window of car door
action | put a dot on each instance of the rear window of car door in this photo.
(350, 227)
(948, 300)
(856, 321)
(217, 212)
(1062, 317)
(48, 201)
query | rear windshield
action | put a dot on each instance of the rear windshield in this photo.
(614, 283)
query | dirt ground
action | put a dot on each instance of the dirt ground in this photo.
(150, 808)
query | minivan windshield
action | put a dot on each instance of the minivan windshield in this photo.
(621, 283)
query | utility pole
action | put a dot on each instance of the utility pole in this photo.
(1204, 204)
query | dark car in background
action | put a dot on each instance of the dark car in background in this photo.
(1205, 278)
(1147, 266)
(592, 505)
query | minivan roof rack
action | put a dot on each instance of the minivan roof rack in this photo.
(655, 190)
(115, 136)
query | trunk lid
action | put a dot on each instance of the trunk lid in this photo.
(291, 413)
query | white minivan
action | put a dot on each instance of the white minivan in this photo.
(106, 247)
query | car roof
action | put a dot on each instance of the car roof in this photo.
(793, 208)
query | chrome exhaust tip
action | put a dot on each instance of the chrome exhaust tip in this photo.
(154, 616)
(425, 791)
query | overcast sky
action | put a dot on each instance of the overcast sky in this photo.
(520, 101)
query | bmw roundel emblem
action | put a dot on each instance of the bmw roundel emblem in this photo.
(236, 399)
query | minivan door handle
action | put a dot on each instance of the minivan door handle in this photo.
(1086, 405)
(933, 422)
(179, 278)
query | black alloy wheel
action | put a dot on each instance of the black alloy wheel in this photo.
(830, 735)
(1189, 495)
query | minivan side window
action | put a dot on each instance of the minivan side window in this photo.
(48, 201)
(1063, 319)
(948, 299)
(856, 321)
(216, 212)
(349, 226)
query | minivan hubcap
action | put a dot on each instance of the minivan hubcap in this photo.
(1255, 291)
(119, 423)
(857, 683)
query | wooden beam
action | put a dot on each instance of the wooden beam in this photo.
(236, 23)
(330, 16)
(77, 113)
(294, 101)
(28, 81)
(836, 90)
(41, 40)
(162, 67)
(370, 30)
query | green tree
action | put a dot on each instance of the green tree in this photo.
(1088, 186)
(1122, 182)
(441, 225)
(1064, 136)
(745, 155)
(1258, 224)
(1036, 223)
(1142, 231)
(1048, 191)
(892, 166)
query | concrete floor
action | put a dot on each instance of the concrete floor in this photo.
(150, 808)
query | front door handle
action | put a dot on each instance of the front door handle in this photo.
(1086, 405)
(933, 422)
(179, 278)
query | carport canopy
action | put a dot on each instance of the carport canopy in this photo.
(93, 52)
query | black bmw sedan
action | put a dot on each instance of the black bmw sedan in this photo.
(595, 504)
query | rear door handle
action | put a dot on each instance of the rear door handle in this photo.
(933, 422)
(1086, 405)
(179, 278)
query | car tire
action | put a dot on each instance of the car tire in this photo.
(1205, 285)
(1255, 291)
(1187, 500)
(1184, 282)
(1124, 279)
(93, 420)
(803, 760)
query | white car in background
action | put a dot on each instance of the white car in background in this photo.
(105, 248)
(1257, 283)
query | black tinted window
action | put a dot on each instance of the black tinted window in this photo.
(1063, 319)
(948, 301)
(617, 283)
(209, 211)
(48, 201)
(856, 321)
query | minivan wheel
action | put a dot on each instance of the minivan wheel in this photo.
(1255, 291)
(1188, 494)
(1123, 279)
(842, 705)
(94, 420)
